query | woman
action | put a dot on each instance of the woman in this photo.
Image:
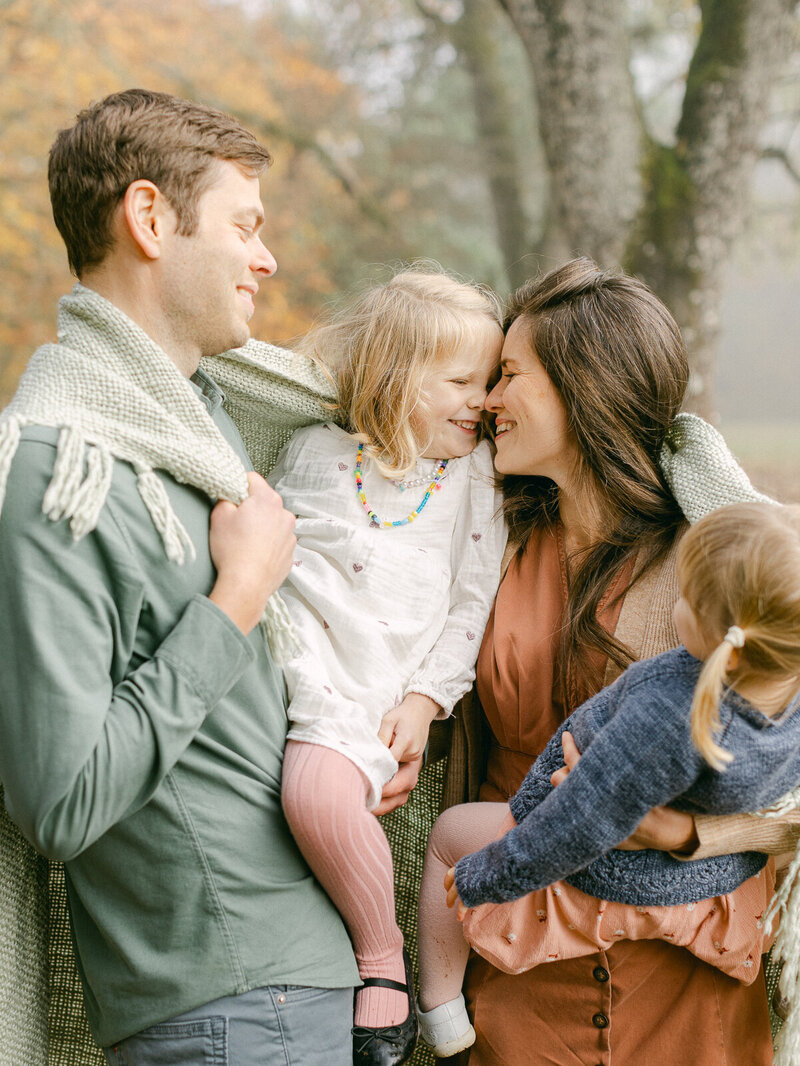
(593, 374)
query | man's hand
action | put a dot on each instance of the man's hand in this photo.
(251, 546)
(404, 729)
(397, 791)
(662, 828)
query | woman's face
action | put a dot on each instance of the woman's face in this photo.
(533, 437)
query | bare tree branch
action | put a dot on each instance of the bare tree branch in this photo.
(782, 156)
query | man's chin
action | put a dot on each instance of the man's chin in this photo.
(237, 340)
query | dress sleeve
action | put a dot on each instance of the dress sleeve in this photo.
(88, 728)
(448, 670)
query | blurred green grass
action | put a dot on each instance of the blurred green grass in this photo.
(770, 453)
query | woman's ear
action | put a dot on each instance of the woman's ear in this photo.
(147, 217)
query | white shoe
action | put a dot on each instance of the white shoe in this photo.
(446, 1029)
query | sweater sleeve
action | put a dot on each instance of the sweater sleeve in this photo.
(536, 785)
(89, 728)
(447, 671)
(628, 767)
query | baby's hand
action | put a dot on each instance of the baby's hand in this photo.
(404, 729)
(453, 899)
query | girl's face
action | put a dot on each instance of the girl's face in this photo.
(689, 631)
(455, 391)
(532, 433)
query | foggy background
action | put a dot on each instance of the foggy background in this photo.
(487, 134)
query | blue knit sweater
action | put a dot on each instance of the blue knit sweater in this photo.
(637, 752)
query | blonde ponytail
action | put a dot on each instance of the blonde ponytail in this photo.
(739, 572)
(705, 706)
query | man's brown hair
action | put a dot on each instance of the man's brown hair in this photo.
(132, 135)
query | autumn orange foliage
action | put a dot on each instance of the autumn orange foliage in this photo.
(56, 57)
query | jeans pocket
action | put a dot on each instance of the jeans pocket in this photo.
(199, 1042)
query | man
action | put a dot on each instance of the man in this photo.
(142, 721)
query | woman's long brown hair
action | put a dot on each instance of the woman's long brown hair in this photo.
(615, 355)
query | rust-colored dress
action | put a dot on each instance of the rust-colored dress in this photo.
(641, 1003)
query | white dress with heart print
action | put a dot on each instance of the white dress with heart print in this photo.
(383, 612)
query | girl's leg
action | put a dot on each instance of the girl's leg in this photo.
(324, 799)
(443, 951)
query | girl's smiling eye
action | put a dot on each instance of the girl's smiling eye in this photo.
(458, 381)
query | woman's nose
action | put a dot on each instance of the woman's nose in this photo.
(494, 401)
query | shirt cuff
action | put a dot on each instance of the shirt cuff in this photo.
(207, 650)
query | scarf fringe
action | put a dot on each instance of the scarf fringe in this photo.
(70, 494)
(9, 440)
(67, 474)
(785, 906)
(279, 632)
(87, 503)
(177, 542)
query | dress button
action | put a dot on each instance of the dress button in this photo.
(281, 998)
(599, 1021)
(600, 973)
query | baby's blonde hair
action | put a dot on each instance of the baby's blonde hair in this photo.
(379, 348)
(740, 566)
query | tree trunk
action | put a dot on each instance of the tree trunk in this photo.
(588, 118)
(476, 37)
(697, 192)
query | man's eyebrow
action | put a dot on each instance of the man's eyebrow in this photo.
(250, 214)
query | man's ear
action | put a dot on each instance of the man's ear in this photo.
(147, 216)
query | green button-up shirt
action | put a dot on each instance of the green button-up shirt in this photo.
(141, 740)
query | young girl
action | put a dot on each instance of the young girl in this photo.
(709, 727)
(397, 563)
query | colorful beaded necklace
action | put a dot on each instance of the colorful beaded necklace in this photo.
(373, 518)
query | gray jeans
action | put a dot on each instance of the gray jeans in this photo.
(286, 1025)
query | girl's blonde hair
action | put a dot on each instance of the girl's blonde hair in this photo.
(380, 347)
(740, 567)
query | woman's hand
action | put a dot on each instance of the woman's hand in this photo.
(662, 828)
(453, 899)
(404, 729)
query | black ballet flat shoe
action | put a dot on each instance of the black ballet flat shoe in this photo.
(392, 1044)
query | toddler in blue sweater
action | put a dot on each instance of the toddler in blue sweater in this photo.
(709, 727)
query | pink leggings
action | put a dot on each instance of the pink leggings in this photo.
(324, 799)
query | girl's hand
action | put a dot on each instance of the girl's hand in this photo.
(404, 729)
(662, 828)
(453, 899)
(396, 792)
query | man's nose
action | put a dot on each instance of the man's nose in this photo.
(264, 261)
